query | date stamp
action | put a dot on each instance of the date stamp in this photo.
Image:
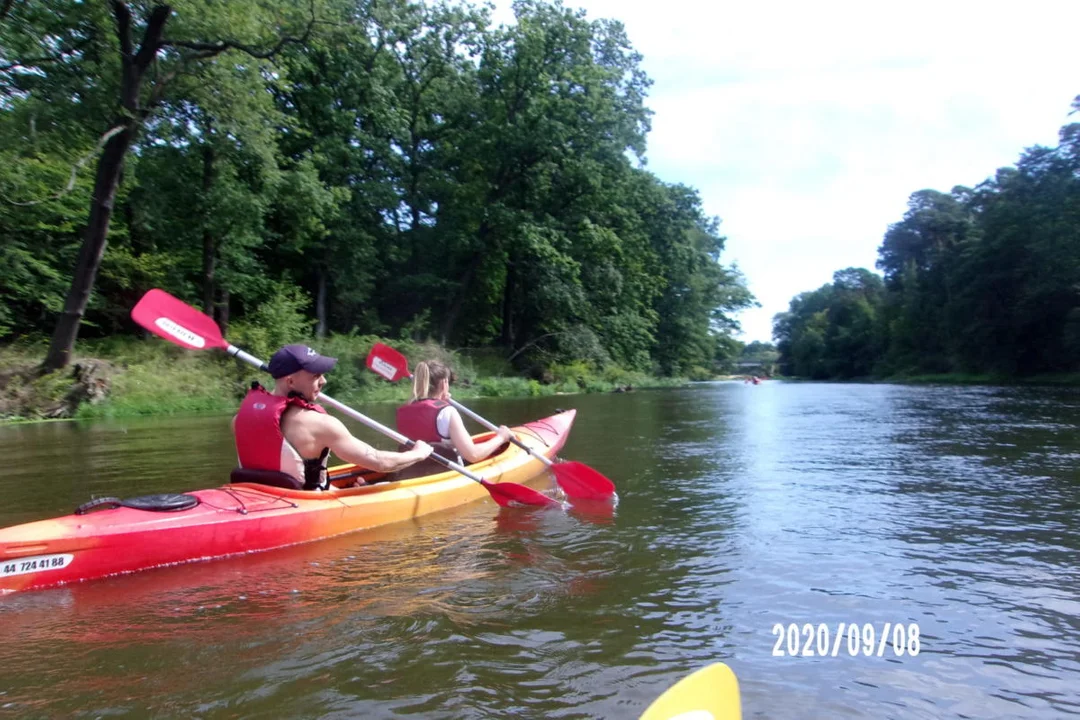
(853, 639)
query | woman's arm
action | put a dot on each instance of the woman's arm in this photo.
(470, 451)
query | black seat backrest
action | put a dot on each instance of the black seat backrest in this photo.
(272, 478)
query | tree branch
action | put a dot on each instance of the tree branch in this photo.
(152, 42)
(206, 50)
(74, 170)
(59, 56)
(529, 344)
(123, 27)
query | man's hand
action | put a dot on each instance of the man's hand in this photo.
(328, 431)
(420, 450)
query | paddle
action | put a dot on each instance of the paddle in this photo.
(576, 479)
(711, 693)
(179, 323)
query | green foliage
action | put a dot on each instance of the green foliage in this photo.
(699, 373)
(509, 387)
(184, 383)
(573, 374)
(979, 283)
(834, 330)
(35, 238)
(280, 320)
(406, 170)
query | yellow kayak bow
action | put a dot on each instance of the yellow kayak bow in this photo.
(711, 693)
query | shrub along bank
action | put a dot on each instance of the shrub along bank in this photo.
(124, 376)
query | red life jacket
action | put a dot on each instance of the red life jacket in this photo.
(260, 444)
(418, 421)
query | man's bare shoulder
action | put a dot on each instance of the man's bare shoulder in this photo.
(311, 419)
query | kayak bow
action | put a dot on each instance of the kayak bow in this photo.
(711, 693)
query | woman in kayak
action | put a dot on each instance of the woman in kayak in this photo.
(430, 417)
(286, 433)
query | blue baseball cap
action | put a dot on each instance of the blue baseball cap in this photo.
(294, 358)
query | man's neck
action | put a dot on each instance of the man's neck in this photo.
(281, 390)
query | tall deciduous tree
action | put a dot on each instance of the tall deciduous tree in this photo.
(135, 54)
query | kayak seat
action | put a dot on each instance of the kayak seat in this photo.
(273, 478)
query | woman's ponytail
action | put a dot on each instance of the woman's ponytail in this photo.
(426, 378)
(421, 382)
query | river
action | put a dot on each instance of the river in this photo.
(745, 512)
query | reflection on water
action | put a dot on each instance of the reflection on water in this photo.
(740, 507)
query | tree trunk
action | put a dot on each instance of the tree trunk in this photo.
(320, 306)
(508, 307)
(223, 311)
(91, 252)
(209, 257)
(464, 287)
(109, 167)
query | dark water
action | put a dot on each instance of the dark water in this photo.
(949, 510)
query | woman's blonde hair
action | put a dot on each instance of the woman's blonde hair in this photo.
(427, 377)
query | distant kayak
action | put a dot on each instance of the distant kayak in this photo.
(711, 693)
(110, 536)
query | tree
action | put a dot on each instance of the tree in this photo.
(56, 47)
(835, 330)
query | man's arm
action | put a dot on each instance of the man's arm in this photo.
(333, 434)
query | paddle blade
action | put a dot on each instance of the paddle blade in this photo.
(580, 481)
(711, 693)
(508, 493)
(388, 362)
(176, 321)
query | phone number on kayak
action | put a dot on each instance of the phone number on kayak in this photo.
(821, 640)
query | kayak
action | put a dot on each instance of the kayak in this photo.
(711, 693)
(246, 517)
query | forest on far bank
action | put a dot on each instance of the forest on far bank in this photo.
(981, 281)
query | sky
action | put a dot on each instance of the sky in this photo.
(805, 126)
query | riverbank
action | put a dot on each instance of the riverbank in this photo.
(1063, 379)
(121, 377)
(1059, 379)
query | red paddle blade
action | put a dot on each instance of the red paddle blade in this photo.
(582, 482)
(388, 362)
(508, 493)
(176, 321)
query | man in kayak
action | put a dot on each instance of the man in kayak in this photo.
(284, 430)
(431, 418)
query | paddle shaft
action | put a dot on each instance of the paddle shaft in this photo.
(345, 409)
(491, 426)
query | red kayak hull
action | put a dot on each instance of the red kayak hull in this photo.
(244, 518)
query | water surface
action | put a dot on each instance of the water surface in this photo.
(741, 507)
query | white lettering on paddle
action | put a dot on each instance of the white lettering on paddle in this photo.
(383, 368)
(180, 333)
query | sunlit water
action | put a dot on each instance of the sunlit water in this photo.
(741, 507)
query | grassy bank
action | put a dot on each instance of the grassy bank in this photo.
(120, 377)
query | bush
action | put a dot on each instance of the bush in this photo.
(577, 372)
(699, 373)
(159, 378)
(281, 320)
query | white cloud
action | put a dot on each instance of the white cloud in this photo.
(806, 126)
